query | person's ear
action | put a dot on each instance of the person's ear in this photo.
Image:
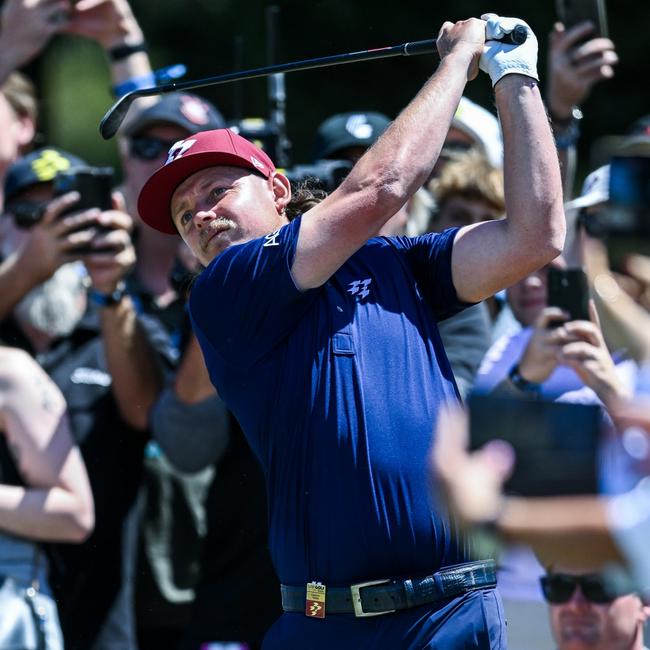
(25, 130)
(281, 188)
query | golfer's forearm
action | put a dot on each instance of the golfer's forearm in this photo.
(532, 182)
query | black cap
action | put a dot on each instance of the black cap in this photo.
(190, 112)
(356, 129)
(39, 166)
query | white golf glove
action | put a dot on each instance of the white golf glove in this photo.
(498, 58)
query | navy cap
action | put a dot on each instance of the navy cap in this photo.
(360, 129)
(190, 112)
(39, 166)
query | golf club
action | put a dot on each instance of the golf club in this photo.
(117, 112)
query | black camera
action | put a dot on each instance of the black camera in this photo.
(325, 174)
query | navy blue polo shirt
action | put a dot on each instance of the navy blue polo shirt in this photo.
(337, 389)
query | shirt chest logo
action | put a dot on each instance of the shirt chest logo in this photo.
(359, 289)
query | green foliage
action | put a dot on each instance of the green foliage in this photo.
(201, 34)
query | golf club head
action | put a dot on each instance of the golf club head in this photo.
(115, 115)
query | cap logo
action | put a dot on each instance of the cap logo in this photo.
(194, 110)
(258, 164)
(178, 149)
(357, 125)
(49, 164)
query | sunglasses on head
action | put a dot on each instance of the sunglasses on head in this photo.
(26, 213)
(149, 148)
(558, 588)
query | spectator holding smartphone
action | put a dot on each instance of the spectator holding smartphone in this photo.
(576, 62)
(100, 355)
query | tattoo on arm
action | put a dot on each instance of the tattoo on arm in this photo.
(45, 393)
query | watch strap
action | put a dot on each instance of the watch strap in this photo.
(523, 384)
(103, 299)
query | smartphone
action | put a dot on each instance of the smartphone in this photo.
(94, 185)
(572, 12)
(568, 289)
(555, 443)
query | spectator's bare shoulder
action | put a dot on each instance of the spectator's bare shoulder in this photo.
(26, 391)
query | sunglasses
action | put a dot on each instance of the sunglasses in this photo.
(26, 213)
(149, 148)
(558, 588)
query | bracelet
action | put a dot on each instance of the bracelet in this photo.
(135, 83)
(563, 123)
(523, 384)
(149, 80)
(121, 52)
(108, 299)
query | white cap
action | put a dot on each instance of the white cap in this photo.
(483, 127)
(595, 190)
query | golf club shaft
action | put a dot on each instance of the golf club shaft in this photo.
(117, 112)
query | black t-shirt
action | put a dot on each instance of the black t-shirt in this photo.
(92, 580)
(236, 567)
(9, 474)
(235, 562)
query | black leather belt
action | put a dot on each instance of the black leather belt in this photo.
(384, 596)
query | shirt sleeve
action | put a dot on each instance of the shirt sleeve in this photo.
(245, 302)
(193, 436)
(429, 257)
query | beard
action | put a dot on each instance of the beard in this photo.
(56, 306)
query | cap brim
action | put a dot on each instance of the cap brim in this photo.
(144, 121)
(155, 198)
(594, 198)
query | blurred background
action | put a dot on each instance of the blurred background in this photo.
(202, 34)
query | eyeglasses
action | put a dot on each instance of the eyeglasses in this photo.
(149, 148)
(26, 213)
(558, 588)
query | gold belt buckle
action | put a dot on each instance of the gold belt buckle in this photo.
(356, 598)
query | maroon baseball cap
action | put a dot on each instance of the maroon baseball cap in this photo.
(194, 153)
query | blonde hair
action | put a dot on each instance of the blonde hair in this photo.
(470, 175)
(20, 94)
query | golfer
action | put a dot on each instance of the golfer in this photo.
(322, 339)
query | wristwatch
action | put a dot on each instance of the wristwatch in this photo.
(108, 299)
(523, 384)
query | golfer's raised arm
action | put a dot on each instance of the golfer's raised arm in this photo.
(533, 232)
(394, 168)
